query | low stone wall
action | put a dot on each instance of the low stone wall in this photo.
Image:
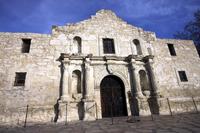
(184, 105)
(168, 106)
(76, 110)
(35, 114)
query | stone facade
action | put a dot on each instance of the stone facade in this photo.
(65, 70)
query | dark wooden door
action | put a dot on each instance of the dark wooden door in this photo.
(113, 101)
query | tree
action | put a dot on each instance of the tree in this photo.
(191, 31)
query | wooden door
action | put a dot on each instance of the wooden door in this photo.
(113, 101)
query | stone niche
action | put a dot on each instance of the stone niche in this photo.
(76, 85)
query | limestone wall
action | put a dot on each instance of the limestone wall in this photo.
(105, 24)
(167, 67)
(42, 80)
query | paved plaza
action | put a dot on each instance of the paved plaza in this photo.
(183, 123)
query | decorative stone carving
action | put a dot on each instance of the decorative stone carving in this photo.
(89, 80)
(47, 89)
(135, 78)
(152, 76)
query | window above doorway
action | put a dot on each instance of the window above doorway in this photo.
(108, 46)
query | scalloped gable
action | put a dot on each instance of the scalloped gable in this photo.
(103, 20)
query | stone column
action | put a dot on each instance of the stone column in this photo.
(89, 113)
(136, 80)
(65, 82)
(88, 78)
(87, 69)
(152, 76)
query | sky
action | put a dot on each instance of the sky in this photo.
(164, 17)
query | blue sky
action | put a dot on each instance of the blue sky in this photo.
(164, 17)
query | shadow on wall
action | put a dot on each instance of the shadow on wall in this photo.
(56, 111)
(61, 79)
(153, 105)
(56, 106)
(81, 113)
(133, 104)
(132, 100)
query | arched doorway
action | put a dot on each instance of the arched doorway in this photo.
(113, 100)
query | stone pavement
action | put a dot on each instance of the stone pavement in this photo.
(183, 123)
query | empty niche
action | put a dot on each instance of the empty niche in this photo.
(136, 42)
(76, 82)
(77, 44)
(144, 83)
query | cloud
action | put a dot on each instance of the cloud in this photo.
(159, 15)
(39, 15)
(143, 8)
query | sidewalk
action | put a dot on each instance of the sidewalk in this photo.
(184, 123)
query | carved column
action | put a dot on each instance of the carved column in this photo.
(88, 78)
(65, 81)
(136, 80)
(89, 89)
(152, 76)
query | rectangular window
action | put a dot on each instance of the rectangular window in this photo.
(26, 43)
(171, 49)
(108, 46)
(20, 78)
(182, 76)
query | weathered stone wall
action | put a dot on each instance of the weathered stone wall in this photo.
(105, 24)
(167, 67)
(41, 88)
(118, 69)
(43, 84)
(166, 71)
